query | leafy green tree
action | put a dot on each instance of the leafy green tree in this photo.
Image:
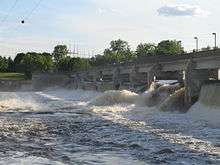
(60, 52)
(48, 61)
(11, 67)
(169, 47)
(145, 49)
(3, 64)
(98, 60)
(17, 62)
(33, 62)
(73, 64)
(119, 51)
(81, 63)
(119, 45)
(27, 65)
(65, 64)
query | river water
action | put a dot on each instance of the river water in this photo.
(63, 127)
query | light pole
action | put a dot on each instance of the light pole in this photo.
(215, 35)
(197, 43)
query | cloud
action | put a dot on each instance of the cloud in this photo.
(102, 10)
(182, 10)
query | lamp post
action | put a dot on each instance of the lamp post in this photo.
(197, 43)
(215, 35)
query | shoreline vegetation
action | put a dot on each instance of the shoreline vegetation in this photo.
(12, 76)
(59, 60)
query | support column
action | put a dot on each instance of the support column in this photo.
(193, 82)
(77, 81)
(218, 74)
(188, 83)
(116, 79)
(154, 71)
(133, 75)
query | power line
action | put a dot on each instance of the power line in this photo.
(33, 9)
(9, 12)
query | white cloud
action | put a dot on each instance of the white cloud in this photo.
(100, 21)
(102, 10)
(182, 10)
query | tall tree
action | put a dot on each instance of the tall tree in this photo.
(11, 67)
(119, 51)
(3, 64)
(98, 60)
(27, 65)
(73, 64)
(81, 63)
(65, 64)
(60, 52)
(169, 47)
(48, 61)
(119, 45)
(145, 49)
(17, 62)
(33, 62)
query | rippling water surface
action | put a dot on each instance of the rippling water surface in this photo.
(61, 127)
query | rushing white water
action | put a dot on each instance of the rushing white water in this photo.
(113, 97)
(209, 95)
(208, 106)
(115, 127)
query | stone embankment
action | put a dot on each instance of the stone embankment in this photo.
(15, 85)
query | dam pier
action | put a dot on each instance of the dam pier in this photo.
(191, 70)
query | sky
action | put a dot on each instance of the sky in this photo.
(92, 24)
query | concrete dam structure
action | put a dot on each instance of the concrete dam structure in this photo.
(15, 85)
(192, 70)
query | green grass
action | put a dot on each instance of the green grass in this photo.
(12, 76)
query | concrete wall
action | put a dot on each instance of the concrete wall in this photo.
(47, 80)
(209, 94)
(15, 85)
(198, 67)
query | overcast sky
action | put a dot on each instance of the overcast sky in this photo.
(94, 23)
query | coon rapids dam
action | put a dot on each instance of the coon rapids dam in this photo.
(81, 119)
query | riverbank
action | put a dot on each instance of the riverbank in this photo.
(15, 85)
(12, 76)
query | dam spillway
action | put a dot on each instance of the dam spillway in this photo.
(64, 126)
(191, 70)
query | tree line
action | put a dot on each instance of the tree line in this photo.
(60, 61)
(119, 51)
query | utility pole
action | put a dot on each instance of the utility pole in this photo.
(215, 35)
(197, 43)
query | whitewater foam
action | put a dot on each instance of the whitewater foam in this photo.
(208, 107)
(18, 102)
(210, 95)
(157, 94)
(164, 98)
(202, 113)
(114, 97)
(71, 95)
(119, 123)
(28, 160)
(153, 97)
(175, 102)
